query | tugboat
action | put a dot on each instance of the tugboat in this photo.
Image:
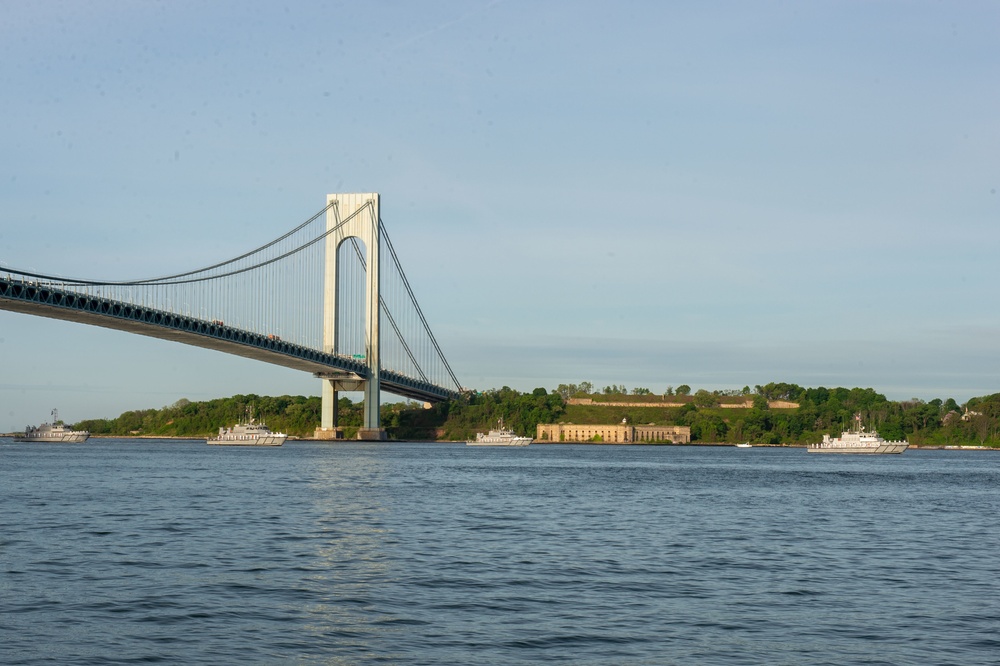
(857, 441)
(499, 437)
(56, 432)
(249, 433)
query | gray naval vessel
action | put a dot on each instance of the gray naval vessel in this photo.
(56, 432)
(858, 440)
(499, 436)
(250, 433)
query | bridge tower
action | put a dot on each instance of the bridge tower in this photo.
(361, 212)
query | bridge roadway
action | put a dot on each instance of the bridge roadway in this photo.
(48, 300)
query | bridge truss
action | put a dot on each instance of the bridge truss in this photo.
(268, 304)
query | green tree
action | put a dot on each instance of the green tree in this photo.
(703, 398)
(706, 427)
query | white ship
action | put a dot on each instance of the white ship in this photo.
(499, 437)
(250, 433)
(55, 432)
(858, 441)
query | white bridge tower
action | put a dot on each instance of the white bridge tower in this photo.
(352, 215)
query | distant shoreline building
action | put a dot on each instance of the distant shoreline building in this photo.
(621, 433)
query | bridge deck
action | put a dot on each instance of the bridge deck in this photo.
(51, 301)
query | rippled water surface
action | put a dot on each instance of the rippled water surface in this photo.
(123, 551)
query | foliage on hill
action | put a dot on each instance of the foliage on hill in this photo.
(521, 412)
(294, 415)
(821, 410)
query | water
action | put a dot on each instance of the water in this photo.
(126, 551)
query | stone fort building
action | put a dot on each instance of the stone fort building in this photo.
(621, 433)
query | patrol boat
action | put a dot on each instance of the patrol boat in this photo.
(56, 432)
(858, 441)
(250, 433)
(499, 437)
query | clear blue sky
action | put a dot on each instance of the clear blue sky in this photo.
(719, 194)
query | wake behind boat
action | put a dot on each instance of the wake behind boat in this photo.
(858, 441)
(499, 437)
(56, 433)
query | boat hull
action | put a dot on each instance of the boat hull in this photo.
(250, 441)
(65, 438)
(519, 441)
(888, 447)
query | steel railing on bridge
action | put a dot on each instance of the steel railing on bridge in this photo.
(266, 304)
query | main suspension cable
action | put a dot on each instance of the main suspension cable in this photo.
(172, 280)
(413, 298)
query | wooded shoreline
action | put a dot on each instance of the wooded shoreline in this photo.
(775, 414)
(927, 447)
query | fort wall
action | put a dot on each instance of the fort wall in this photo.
(742, 404)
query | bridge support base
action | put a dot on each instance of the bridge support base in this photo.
(328, 433)
(372, 434)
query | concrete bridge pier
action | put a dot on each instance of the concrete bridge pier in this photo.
(330, 428)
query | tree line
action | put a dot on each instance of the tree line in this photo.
(294, 415)
(821, 410)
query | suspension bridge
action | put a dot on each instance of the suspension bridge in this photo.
(328, 297)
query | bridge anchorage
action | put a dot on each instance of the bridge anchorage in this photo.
(318, 299)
